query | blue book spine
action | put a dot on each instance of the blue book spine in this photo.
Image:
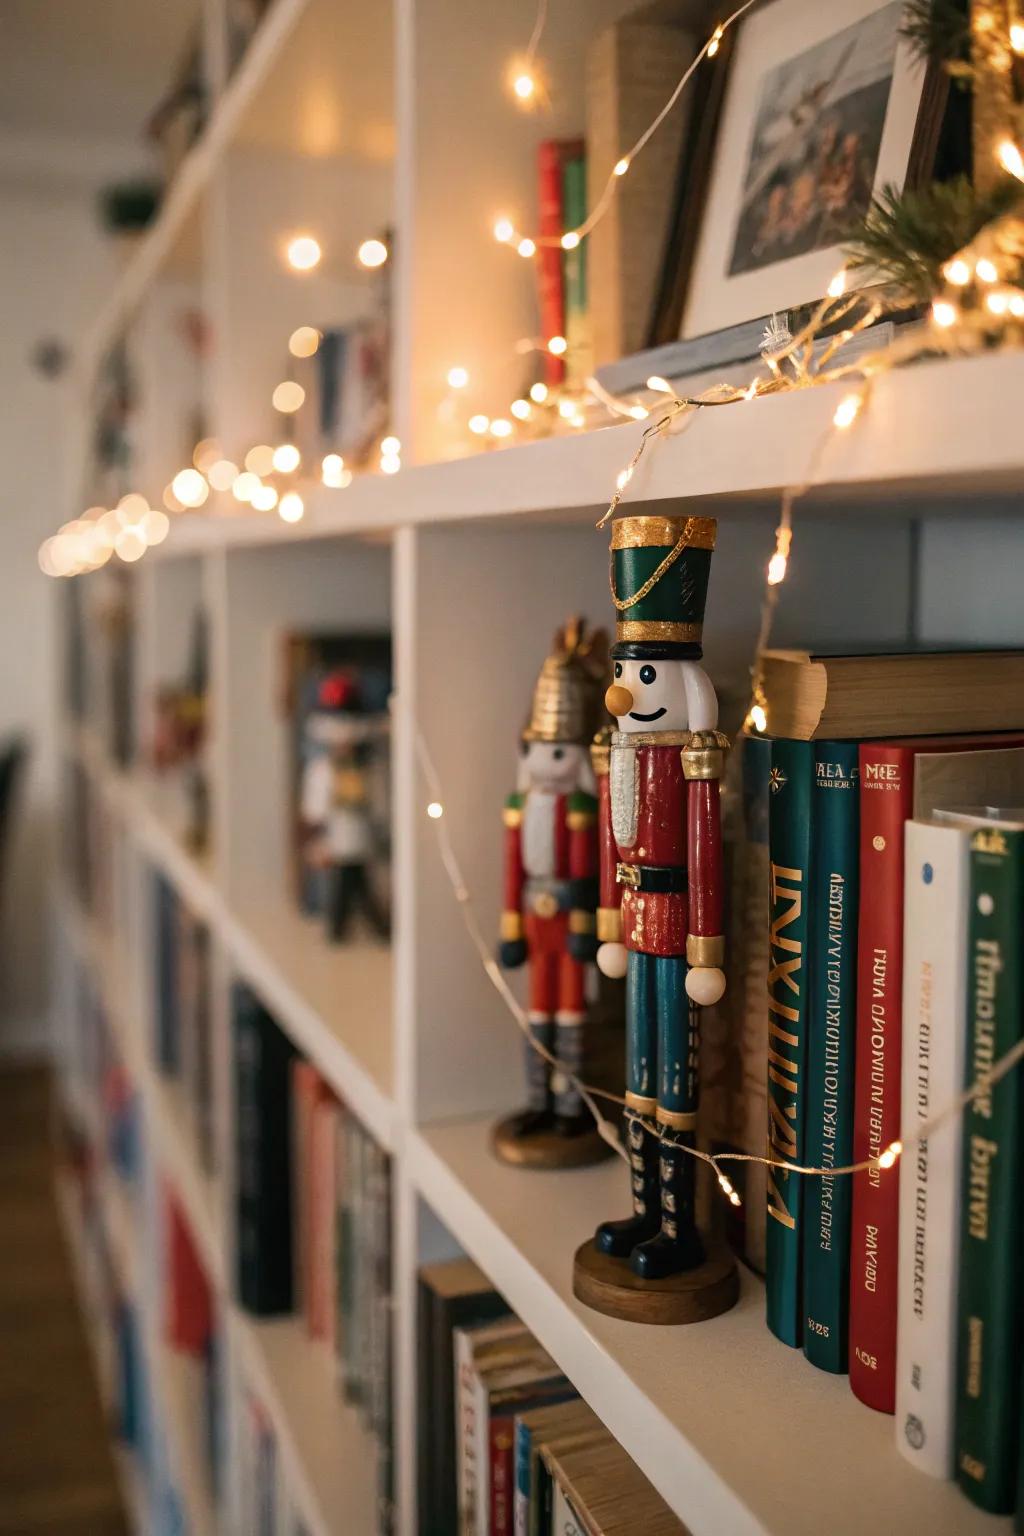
(831, 1031)
(523, 1449)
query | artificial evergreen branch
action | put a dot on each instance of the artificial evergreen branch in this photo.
(908, 237)
(939, 32)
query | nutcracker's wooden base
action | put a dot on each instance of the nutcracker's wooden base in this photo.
(547, 1148)
(610, 1286)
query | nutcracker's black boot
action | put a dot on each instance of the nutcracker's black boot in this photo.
(539, 1114)
(571, 1116)
(678, 1245)
(619, 1238)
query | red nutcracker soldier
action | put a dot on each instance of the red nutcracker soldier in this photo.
(660, 917)
(550, 896)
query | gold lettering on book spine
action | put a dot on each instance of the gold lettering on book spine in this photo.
(784, 983)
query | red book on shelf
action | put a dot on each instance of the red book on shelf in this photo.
(321, 1310)
(551, 157)
(898, 780)
(189, 1317)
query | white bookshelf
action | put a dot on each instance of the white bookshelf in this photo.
(471, 561)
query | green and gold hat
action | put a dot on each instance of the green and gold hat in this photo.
(659, 581)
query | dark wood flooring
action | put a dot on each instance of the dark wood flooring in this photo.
(56, 1471)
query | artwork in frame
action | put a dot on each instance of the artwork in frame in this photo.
(818, 107)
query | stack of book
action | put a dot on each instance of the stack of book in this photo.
(314, 1219)
(506, 1445)
(896, 909)
(183, 1046)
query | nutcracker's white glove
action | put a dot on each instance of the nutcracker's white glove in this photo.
(705, 984)
(611, 960)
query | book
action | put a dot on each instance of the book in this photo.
(831, 1028)
(320, 1302)
(598, 1487)
(552, 155)
(531, 1426)
(263, 1056)
(450, 1296)
(899, 780)
(934, 1032)
(989, 1330)
(166, 970)
(897, 694)
(188, 1314)
(516, 1372)
(308, 1092)
(579, 356)
(470, 1348)
(789, 843)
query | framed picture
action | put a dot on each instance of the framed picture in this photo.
(821, 106)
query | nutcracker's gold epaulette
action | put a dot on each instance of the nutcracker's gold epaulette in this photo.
(581, 812)
(704, 756)
(512, 815)
(601, 751)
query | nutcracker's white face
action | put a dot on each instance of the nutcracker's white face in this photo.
(657, 696)
(558, 767)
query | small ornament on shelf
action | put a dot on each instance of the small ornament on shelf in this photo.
(660, 919)
(336, 805)
(550, 896)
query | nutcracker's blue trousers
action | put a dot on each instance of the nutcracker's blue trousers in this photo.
(661, 1032)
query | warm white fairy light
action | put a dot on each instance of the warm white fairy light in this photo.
(245, 485)
(501, 427)
(623, 478)
(957, 272)
(524, 86)
(260, 460)
(887, 1159)
(659, 386)
(478, 424)
(390, 446)
(205, 454)
(621, 166)
(1016, 302)
(131, 509)
(837, 287)
(303, 253)
(190, 487)
(1017, 37)
(435, 810)
(171, 501)
(222, 475)
(372, 253)
(986, 271)
(566, 409)
(527, 247)
(286, 458)
(129, 545)
(331, 470)
(291, 507)
(304, 342)
(997, 302)
(557, 346)
(758, 718)
(458, 378)
(716, 41)
(639, 412)
(777, 568)
(390, 464)
(847, 411)
(570, 240)
(1011, 159)
(264, 498)
(521, 410)
(504, 229)
(538, 393)
(728, 1188)
(944, 313)
(156, 525)
(288, 397)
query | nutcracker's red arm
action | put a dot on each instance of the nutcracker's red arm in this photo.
(609, 910)
(512, 913)
(703, 764)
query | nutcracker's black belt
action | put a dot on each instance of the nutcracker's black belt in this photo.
(662, 878)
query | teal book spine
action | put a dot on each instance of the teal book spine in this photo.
(831, 1032)
(989, 1332)
(789, 858)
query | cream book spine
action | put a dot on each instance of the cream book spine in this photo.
(934, 1034)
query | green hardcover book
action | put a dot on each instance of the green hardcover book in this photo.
(989, 1316)
(789, 850)
(574, 271)
(831, 1030)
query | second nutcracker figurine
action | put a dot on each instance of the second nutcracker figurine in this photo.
(660, 918)
(550, 896)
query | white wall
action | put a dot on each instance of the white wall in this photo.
(54, 264)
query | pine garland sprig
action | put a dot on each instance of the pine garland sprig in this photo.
(939, 32)
(907, 237)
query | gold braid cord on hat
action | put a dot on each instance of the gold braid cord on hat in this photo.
(567, 703)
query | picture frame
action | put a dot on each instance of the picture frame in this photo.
(851, 87)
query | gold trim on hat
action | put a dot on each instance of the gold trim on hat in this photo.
(654, 630)
(662, 532)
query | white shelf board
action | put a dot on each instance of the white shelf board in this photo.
(737, 1432)
(941, 428)
(331, 1459)
(334, 1001)
(195, 171)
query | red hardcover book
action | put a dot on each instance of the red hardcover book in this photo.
(551, 157)
(890, 794)
(189, 1318)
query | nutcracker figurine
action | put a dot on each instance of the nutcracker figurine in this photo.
(550, 898)
(336, 806)
(659, 921)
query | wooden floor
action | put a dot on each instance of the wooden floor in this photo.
(56, 1471)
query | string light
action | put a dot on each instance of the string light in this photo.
(986, 271)
(303, 253)
(527, 247)
(260, 460)
(501, 427)
(558, 346)
(659, 386)
(288, 397)
(171, 501)
(129, 545)
(245, 485)
(621, 166)
(1017, 37)
(390, 447)
(759, 719)
(998, 303)
(458, 378)
(538, 393)
(372, 253)
(286, 458)
(1010, 159)
(944, 313)
(156, 525)
(847, 411)
(957, 272)
(206, 454)
(131, 509)
(304, 342)
(332, 469)
(435, 810)
(478, 424)
(570, 241)
(837, 287)
(521, 410)
(504, 229)
(639, 412)
(190, 488)
(264, 498)
(525, 87)
(291, 507)
(222, 475)
(887, 1159)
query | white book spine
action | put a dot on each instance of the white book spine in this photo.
(564, 1519)
(465, 1438)
(934, 1027)
(482, 1428)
